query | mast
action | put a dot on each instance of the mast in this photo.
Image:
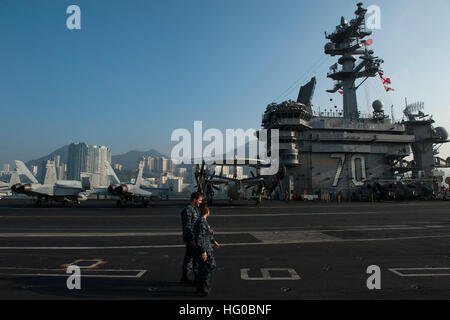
(347, 41)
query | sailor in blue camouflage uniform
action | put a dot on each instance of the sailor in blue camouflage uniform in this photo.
(189, 216)
(204, 258)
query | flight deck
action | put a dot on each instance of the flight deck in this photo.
(277, 250)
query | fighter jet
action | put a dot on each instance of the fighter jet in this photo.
(6, 188)
(128, 192)
(63, 191)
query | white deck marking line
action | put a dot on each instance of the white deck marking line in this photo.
(95, 263)
(305, 205)
(86, 234)
(152, 234)
(244, 231)
(292, 214)
(286, 237)
(265, 272)
(140, 274)
(398, 271)
(284, 242)
(212, 216)
(85, 273)
(174, 231)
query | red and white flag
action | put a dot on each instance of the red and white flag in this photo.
(386, 80)
(366, 43)
(388, 89)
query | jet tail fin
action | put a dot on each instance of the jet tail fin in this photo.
(25, 176)
(14, 179)
(139, 176)
(50, 173)
(307, 92)
(113, 179)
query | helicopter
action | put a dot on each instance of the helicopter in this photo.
(236, 189)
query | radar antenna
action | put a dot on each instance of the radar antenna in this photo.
(347, 41)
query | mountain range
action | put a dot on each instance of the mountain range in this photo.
(129, 160)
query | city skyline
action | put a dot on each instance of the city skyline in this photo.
(86, 161)
(128, 66)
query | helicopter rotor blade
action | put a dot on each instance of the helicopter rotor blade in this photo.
(197, 172)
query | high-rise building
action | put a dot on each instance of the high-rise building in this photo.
(161, 165)
(175, 184)
(104, 155)
(93, 159)
(6, 167)
(181, 172)
(224, 170)
(61, 172)
(239, 172)
(150, 164)
(96, 157)
(88, 159)
(77, 160)
(170, 165)
(42, 168)
(59, 175)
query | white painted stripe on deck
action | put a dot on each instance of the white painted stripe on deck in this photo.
(439, 272)
(39, 272)
(292, 236)
(266, 276)
(306, 240)
(292, 214)
(257, 215)
(175, 231)
(170, 233)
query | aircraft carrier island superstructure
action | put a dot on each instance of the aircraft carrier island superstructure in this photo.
(344, 155)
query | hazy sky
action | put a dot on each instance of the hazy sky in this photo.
(139, 69)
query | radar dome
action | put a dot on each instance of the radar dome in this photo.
(378, 105)
(329, 46)
(442, 132)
